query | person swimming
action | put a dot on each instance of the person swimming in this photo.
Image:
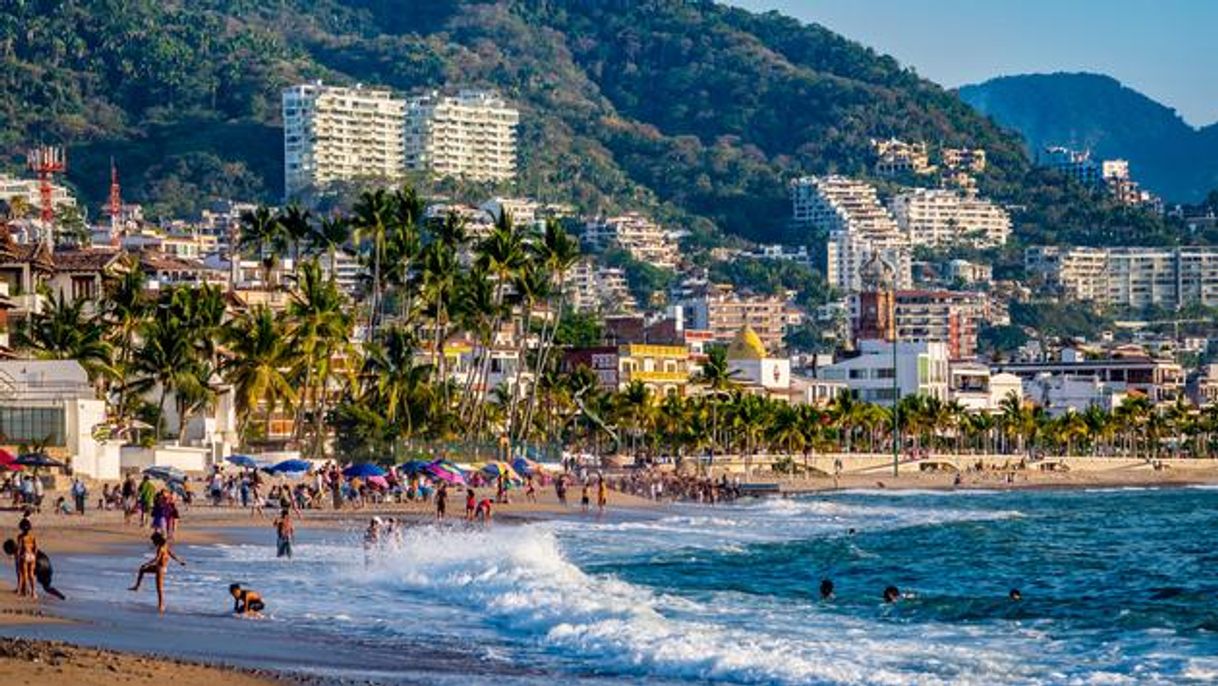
(1015, 595)
(826, 589)
(43, 571)
(892, 594)
(246, 603)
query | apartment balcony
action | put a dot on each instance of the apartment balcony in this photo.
(657, 377)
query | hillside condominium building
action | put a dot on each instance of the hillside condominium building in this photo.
(938, 217)
(471, 135)
(333, 133)
(857, 224)
(1131, 277)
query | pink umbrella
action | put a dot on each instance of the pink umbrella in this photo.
(378, 481)
(8, 461)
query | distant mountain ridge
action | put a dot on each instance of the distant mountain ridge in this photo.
(1097, 112)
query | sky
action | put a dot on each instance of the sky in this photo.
(1162, 48)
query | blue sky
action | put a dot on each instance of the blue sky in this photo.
(1163, 48)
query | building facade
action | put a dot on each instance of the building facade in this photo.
(333, 134)
(1131, 277)
(724, 312)
(938, 217)
(470, 135)
(922, 368)
(645, 240)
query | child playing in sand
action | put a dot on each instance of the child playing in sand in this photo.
(157, 565)
(483, 511)
(27, 559)
(246, 603)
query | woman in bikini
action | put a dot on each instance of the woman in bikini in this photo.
(157, 566)
(27, 560)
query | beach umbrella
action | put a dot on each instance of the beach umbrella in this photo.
(445, 471)
(527, 467)
(363, 470)
(413, 466)
(378, 481)
(495, 469)
(9, 461)
(169, 474)
(244, 461)
(295, 466)
(37, 460)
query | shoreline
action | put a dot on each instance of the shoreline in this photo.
(40, 643)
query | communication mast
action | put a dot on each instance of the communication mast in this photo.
(46, 161)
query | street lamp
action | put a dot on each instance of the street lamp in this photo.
(896, 384)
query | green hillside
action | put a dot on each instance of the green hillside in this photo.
(693, 110)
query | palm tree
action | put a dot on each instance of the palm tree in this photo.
(64, 331)
(372, 222)
(396, 384)
(263, 232)
(330, 236)
(166, 359)
(557, 252)
(634, 408)
(257, 365)
(297, 228)
(319, 326)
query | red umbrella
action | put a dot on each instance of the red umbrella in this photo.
(8, 461)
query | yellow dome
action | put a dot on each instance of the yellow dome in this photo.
(746, 346)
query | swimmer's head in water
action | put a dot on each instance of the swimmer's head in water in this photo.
(826, 588)
(10, 547)
(892, 594)
(1015, 594)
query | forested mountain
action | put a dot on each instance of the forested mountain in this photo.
(693, 110)
(1097, 112)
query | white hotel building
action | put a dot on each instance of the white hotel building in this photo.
(1131, 277)
(857, 225)
(471, 135)
(333, 133)
(937, 217)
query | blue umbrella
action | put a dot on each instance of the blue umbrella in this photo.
(168, 474)
(291, 466)
(242, 461)
(363, 470)
(414, 466)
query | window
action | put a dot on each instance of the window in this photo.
(29, 424)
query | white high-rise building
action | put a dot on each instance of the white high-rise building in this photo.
(645, 240)
(938, 217)
(857, 225)
(470, 135)
(333, 133)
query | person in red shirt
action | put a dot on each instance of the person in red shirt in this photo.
(469, 505)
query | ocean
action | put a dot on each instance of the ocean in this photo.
(1119, 587)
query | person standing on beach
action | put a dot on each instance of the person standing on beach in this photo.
(585, 498)
(441, 500)
(147, 496)
(284, 532)
(27, 559)
(470, 504)
(80, 494)
(128, 496)
(157, 565)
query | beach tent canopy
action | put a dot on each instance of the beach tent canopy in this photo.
(363, 470)
(527, 467)
(242, 461)
(495, 469)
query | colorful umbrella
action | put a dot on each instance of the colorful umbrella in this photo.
(445, 471)
(242, 461)
(378, 481)
(294, 466)
(363, 470)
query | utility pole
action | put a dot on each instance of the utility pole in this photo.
(896, 382)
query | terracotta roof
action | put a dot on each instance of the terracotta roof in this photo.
(159, 261)
(35, 253)
(86, 260)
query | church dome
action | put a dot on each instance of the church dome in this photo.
(746, 346)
